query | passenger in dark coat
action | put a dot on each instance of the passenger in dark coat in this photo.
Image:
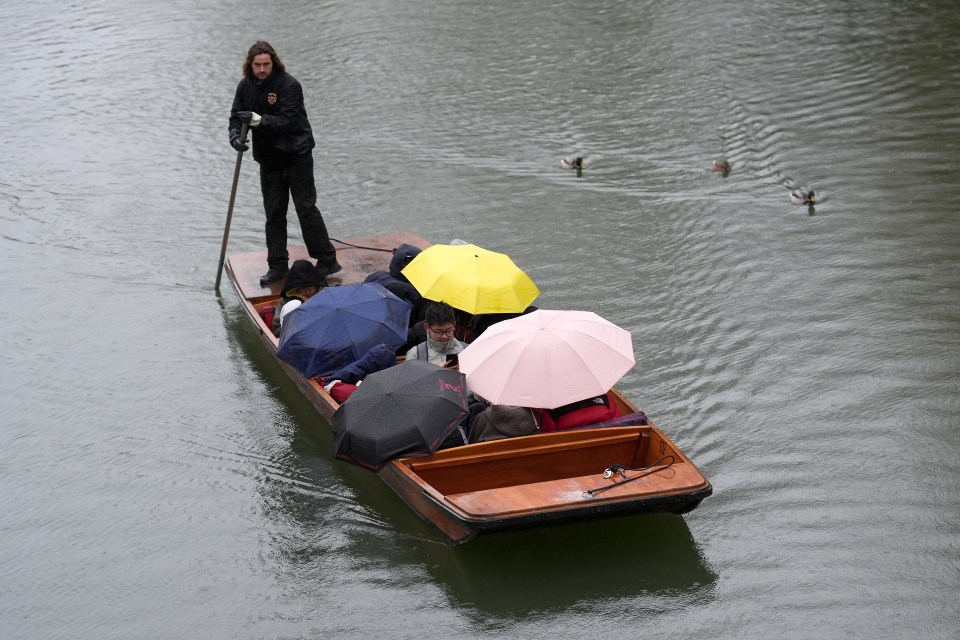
(395, 282)
(270, 101)
(341, 384)
(376, 359)
(483, 321)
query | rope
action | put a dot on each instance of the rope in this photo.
(614, 469)
(357, 246)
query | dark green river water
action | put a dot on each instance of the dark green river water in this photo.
(161, 478)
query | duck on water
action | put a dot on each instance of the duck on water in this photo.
(798, 196)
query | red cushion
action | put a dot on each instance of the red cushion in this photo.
(267, 314)
(581, 417)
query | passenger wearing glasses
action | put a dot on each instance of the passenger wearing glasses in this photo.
(440, 347)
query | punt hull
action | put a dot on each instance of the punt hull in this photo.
(506, 484)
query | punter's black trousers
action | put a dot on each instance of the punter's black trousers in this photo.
(278, 184)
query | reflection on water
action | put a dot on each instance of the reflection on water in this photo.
(581, 564)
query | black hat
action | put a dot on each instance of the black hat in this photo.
(303, 273)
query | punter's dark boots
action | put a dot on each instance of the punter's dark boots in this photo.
(274, 274)
(328, 269)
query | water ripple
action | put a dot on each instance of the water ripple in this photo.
(806, 360)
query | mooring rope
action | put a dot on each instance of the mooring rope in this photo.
(614, 469)
(357, 246)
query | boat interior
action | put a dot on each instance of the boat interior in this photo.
(514, 481)
(528, 460)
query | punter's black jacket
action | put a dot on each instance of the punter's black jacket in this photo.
(284, 132)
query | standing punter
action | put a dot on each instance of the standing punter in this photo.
(270, 101)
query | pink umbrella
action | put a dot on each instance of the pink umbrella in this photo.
(547, 359)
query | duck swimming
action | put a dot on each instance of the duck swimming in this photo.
(721, 166)
(572, 163)
(798, 196)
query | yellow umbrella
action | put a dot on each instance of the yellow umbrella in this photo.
(471, 279)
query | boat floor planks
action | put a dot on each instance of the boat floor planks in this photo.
(357, 262)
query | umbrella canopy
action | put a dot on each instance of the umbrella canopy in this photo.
(339, 325)
(471, 279)
(547, 359)
(406, 409)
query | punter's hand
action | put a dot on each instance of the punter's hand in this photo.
(238, 144)
(252, 118)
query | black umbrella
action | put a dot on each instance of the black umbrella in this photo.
(407, 409)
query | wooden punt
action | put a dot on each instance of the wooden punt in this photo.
(506, 484)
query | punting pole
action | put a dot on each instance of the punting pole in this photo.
(233, 198)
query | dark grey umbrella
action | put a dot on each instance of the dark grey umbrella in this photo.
(407, 409)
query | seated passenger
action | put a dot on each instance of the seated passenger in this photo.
(580, 414)
(396, 283)
(462, 328)
(340, 384)
(303, 282)
(483, 321)
(499, 421)
(439, 343)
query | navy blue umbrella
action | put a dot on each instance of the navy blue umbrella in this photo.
(337, 326)
(407, 409)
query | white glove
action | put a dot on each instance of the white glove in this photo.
(252, 118)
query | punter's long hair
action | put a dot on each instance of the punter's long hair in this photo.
(262, 46)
